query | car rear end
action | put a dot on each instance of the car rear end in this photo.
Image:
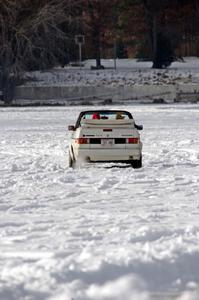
(107, 141)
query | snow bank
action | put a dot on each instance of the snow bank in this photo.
(129, 72)
(126, 287)
(132, 80)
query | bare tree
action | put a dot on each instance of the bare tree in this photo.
(99, 19)
(31, 33)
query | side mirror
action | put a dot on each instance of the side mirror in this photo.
(71, 128)
(139, 127)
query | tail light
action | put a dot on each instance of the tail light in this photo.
(81, 141)
(133, 140)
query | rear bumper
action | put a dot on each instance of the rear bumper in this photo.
(108, 155)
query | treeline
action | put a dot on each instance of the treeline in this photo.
(160, 30)
(40, 34)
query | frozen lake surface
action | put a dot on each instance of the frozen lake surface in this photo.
(99, 232)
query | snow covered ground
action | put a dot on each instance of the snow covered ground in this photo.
(128, 72)
(99, 232)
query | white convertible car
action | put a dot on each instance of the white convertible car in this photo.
(105, 136)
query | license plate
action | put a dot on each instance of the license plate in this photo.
(107, 142)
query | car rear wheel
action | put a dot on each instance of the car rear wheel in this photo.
(137, 164)
(71, 162)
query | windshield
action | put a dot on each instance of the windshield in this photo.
(103, 115)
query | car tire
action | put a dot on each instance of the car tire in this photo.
(71, 162)
(137, 164)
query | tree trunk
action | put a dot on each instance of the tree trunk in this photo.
(151, 19)
(8, 86)
(196, 6)
(152, 9)
(97, 44)
(154, 41)
(95, 36)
